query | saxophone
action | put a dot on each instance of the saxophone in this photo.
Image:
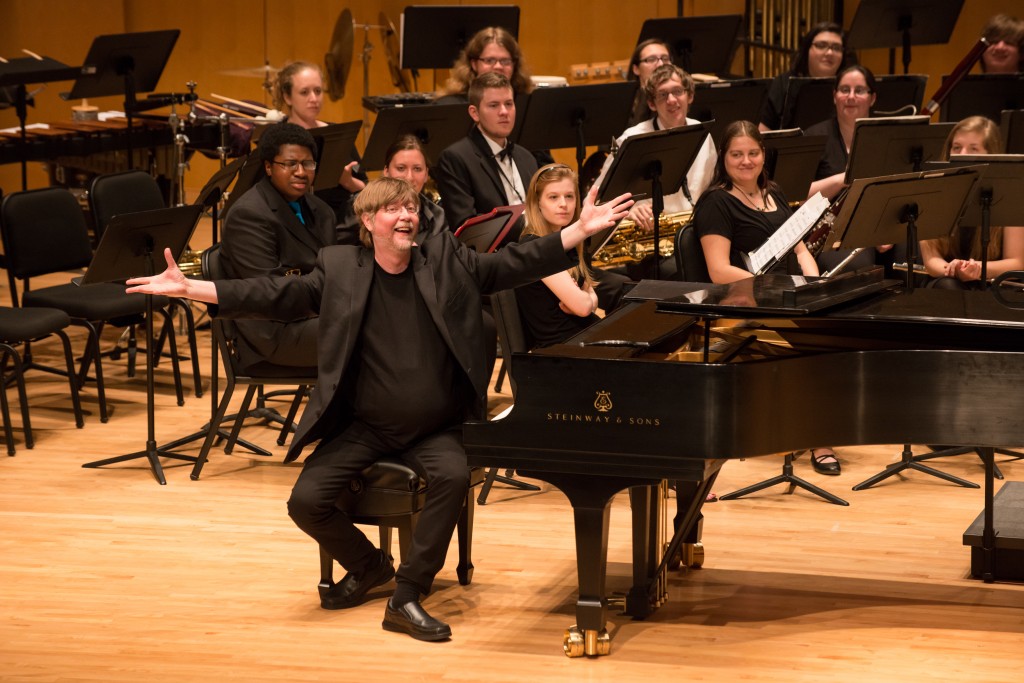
(631, 244)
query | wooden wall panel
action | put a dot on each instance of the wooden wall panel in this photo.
(230, 35)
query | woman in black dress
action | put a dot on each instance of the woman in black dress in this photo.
(562, 304)
(737, 214)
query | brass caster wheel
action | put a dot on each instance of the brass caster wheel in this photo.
(693, 555)
(572, 643)
(577, 643)
(598, 642)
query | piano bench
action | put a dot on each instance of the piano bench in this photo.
(390, 495)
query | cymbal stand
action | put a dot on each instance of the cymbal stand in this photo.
(365, 56)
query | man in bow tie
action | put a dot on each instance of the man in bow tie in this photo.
(485, 169)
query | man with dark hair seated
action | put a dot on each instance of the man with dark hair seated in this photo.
(277, 228)
(401, 368)
(485, 169)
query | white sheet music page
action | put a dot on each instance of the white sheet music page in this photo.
(788, 234)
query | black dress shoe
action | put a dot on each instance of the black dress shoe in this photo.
(413, 620)
(351, 590)
(830, 467)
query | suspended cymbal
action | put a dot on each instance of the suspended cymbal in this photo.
(389, 36)
(338, 59)
(253, 72)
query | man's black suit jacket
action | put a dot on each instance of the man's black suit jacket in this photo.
(469, 181)
(263, 236)
(451, 279)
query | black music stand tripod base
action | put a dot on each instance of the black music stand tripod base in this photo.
(507, 478)
(151, 452)
(787, 477)
(909, 461)
(126, 249)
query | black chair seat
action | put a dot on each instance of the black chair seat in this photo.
(105, 301)
(25, 324)
(386, 488)
(390, 495)
(19, 327)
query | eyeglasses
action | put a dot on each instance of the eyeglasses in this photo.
(859, 91)
(293, 164)
(826, 46)
(663, 95)
(657, 59)
(395, 209)
(491, 61)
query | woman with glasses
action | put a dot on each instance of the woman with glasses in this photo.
(954, 262)
(646, 58)
(491, 49)
(1005, 53)
(560, 305)
(853, 95)
(299, 92)
(823, 52)
(668, 94)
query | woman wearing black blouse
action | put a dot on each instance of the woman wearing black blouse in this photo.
(742, 208)
(822, 53)
(737, 214)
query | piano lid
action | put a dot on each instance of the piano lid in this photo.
(777, 295)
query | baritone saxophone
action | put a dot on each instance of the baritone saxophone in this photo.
(631, 244)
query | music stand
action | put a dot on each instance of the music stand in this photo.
(888, 24)
(249, 173)
(209, 198)
(808, 101)
(128, 248)
(125, 63)
(983, 95)
(701, 44)
(576, 116)
(911, 206)
(486, 233)
(791, 160)
(19, 73)
(335, 144)
(436, 126)
(1012, 126)
(1000, 186)
(723, 102)
(652, 162)
(433, 36)
(887, 146)
(895, 91)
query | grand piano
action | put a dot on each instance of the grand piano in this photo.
(685, 376)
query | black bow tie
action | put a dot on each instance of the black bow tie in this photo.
(505, 154)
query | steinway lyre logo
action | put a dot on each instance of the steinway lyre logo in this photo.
(603, 402)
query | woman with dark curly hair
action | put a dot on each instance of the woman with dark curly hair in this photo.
(491, 49)
(823, 53)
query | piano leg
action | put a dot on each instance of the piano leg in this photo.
(591, 499)
(645, 504)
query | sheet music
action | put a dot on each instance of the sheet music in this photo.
(788, 234)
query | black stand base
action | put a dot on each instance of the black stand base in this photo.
(787, 477)
(909, 461)
(998, 555)
(940, 452)
(152, 453)
(507, 478)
